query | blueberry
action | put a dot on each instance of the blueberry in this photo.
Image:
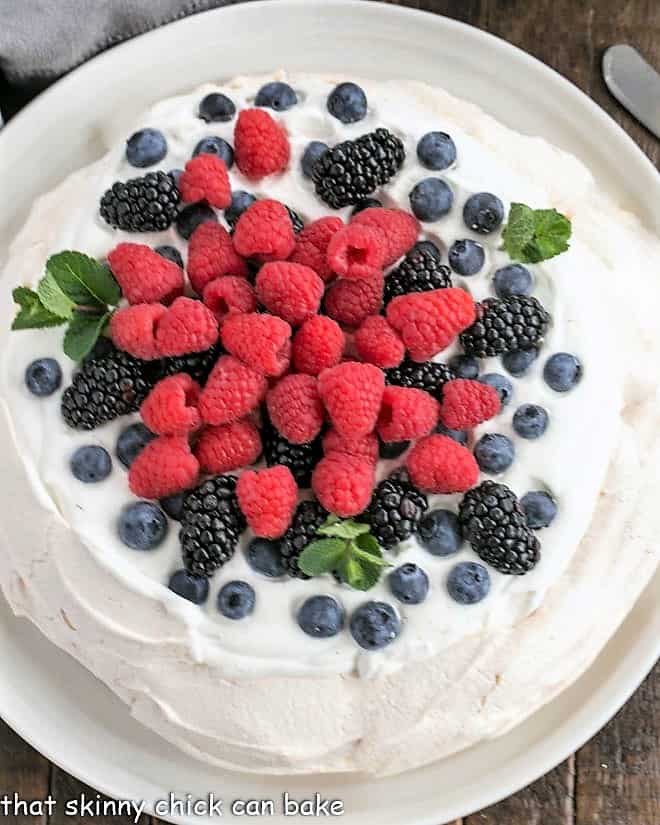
(431, 199)
(366, 203)
(193, 588)
(440, 533)
(501, 383)
(392, 449)
(562, 371)
(375, 625)
(315, 150)
(236, 600)
(170, 253)
(142, 525)
(460, 436)
(240, 200)
(191, 216)
(264, 556)
(466, 257)
(483, 212)
(347, 102)
(216, 107)
(494, 453)
(530, 421)
(276, 95)
(173, 505)
(539, 508)
(514, 279)
(215, 145)
(436, 150)
(409, 583)
(90, 464)
(132, 441)
(43, 376)
(465, 366)
(321, 617)
(146, 147)
(519, 361)
(468, 582)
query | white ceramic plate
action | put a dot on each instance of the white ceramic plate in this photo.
(47, 697)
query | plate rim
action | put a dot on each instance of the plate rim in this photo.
(628, 683)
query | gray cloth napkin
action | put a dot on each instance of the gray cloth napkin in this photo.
(42, 39)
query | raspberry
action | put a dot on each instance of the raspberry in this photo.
(318, 344)
(343, 484)
(350, 302)
(429, 321)
(268, 500)
(228, 447)
(398, 229)
(211, 255)
(261, 341)
(466, 403)
(295, 408)
(133, 329)
(312, 245)
(438, 464)
(143, 275)
(171, 407)
(261, 145)
(264, 231)
(229, 295)
(205, 179)
(164, 467)
(231, 392)
(292, 291)
(187, 326)
(377, 343)
(364, 447)
(351, 393)
(406, 414)
(356, 252)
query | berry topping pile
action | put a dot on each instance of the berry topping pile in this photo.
(315, 385)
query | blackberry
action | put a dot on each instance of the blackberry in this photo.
(396, 509)
(211, 523)
(296, 220)
(299, 458)
(146, 204)
(420, 271)
(106, 386)
(428, 375)
(198, 365)
(506, 325)
(352, 170)
(494, 523)
(308, 518)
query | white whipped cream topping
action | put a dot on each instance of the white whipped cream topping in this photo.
(127, 620)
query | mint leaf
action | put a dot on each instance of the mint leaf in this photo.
(534, 235)
(321, 556)
(82, 333)
(369, 544)
(360, 576)
(52, 297)
(347, 529)
(32, 313)
(83, 280)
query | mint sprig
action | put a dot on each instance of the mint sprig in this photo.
(534, 235)
(76, 291)
(348, 549)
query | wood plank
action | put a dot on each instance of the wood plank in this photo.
(65, 788)
(23, 771)
(618, 776)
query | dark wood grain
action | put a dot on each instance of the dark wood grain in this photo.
(615, 778)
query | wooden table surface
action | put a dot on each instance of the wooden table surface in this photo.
(615, 778)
